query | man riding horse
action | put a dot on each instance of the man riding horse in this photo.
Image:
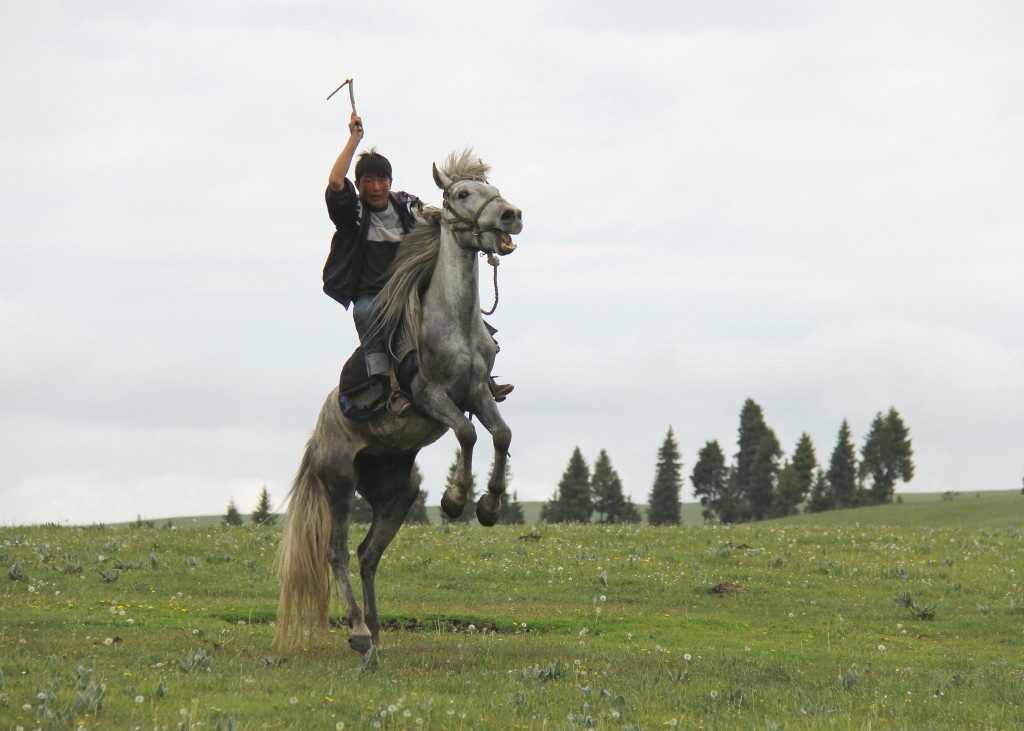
(370, 220)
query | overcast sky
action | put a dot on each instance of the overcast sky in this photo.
(814, 205)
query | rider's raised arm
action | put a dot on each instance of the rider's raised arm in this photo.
(355, 129)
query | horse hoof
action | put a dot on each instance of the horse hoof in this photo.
(360, 643)
(488, 508)
(451, 509)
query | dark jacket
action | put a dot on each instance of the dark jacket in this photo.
(344, 263)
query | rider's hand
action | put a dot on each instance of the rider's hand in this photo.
(355, 126)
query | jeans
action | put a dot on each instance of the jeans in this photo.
(370, 337)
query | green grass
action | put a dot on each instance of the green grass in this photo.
(866, 624)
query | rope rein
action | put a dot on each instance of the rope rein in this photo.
(493, 260)
(472, 226)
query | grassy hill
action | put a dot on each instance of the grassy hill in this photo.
(993, 508)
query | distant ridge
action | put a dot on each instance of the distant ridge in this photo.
(985, 508)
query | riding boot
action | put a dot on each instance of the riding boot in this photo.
(499, 391)
(397, 402)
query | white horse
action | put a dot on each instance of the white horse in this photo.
(432, 300)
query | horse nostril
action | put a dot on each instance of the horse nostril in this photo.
(508, 216)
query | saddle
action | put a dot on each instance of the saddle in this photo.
(361, 397)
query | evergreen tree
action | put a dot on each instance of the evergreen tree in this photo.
(752, 430)
(232, 517)
(571, 502)
(664, 507)
(710, 480)
(763, 475)
(842, 471)
(630, 513)
(887, 456)
(821, 497)
(796, 478)
(418, 510)
(512, 512)
(469, 512)
(606, 487)
(263, 515)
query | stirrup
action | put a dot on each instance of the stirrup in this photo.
(399, 403)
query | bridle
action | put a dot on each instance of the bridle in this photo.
(460, 224)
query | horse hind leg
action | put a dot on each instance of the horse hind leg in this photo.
(359, 637)
(391, 493)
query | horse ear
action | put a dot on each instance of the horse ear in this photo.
(442, 180)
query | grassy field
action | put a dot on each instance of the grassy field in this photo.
(909, 616)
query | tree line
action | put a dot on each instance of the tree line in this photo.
(760, 482)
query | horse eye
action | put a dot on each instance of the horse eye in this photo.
(463, 194)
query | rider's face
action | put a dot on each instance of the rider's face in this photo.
(374, 189)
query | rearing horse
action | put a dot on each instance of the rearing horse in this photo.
(432, 300)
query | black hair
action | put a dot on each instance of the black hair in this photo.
(372, 162)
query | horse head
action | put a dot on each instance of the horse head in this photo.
(473, 206)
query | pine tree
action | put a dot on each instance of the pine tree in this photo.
(418, 510)
(887, 456)
(710, 480)
(821, 497)
(842, 471)
(752, 430)
(796, 478)
(664, 506)
(630, 513)
(469, 512)
(232, 517)
(606, 487)
(263, 515)
(763, 475)
(512, 511)
(571, 502)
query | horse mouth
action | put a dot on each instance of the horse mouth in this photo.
(505, 245)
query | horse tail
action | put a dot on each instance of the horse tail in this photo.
(303, 562)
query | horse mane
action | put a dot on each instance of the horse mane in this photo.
(465, 165)
(396, 308)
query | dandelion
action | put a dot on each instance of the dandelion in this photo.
(881, 648)
(293, 700)
(108, 641)
(687, 656)
(714, 694)
(27, 707)
(339, 726)
(603, 598)
(129, 621)
(139, 699)
(31, 589)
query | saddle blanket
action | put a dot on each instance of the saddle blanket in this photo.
(362, 397)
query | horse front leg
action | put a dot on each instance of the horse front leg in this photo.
(434, 402)
(488, 507)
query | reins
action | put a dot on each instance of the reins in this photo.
(472, 226)
(493, 260)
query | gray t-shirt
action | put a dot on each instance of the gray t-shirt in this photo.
(382, 242)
